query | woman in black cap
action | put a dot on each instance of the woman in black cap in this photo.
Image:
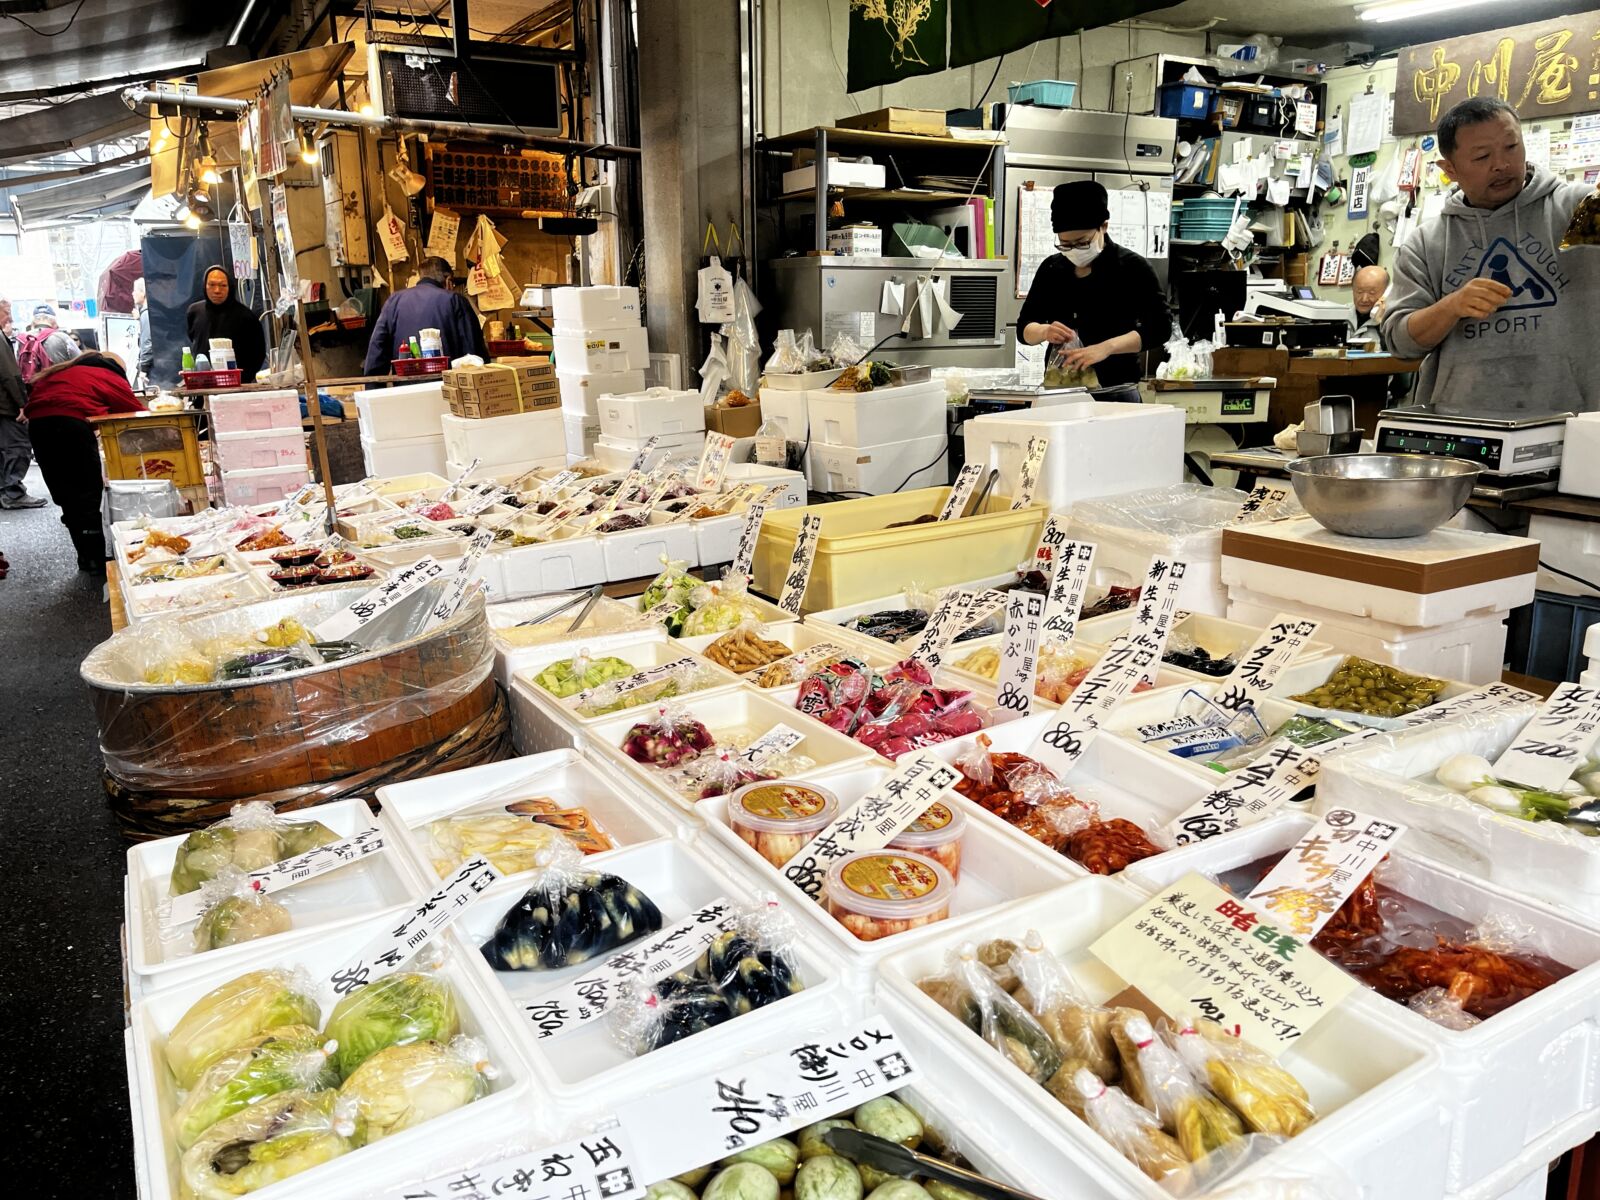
(1105, 295)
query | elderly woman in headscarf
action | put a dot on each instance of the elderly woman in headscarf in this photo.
(61, 400)
(219, 315)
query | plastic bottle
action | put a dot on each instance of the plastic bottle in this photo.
(188, 359)
(416, 347)
(404, 351)
(772, 448)
(202, 363)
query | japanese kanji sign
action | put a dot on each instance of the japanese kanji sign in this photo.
(601, 1166)
(1492, 698)
(290, 871)
(1558, 739)
(380, 599)
(1322, 869)
(1019, 653)
(800, 560)
(1258, 668)
(1028, 472)
(1070, 565)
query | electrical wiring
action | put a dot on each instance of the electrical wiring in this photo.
(45, 33)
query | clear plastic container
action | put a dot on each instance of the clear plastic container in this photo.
(936, 834)
(777, 817)
(880, 893)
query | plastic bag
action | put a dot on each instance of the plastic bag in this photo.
(1267, 1097)
(1079, 1029)
(752, 961)
(646, 1017)
(284, 1059)
(403, 1086)
(744, 649)
(569, 676)
(786, 358)
(968, 991)
(719, 607)
(908, 713)
(392, 1010)
(1489, 971)
(568, 915)
(722, 773)
(612, 697)
(1174, 513)
(229, 1015)
(235, 911)
(1057, 374)
(1023, 792)
(1183, 651)
(845, 351)
(669, 738)
(267, 1142)
(1187, 1109)
(251, 838)
(1584, 227)
(1132, 1131)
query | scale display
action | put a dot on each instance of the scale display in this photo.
(1239, 406)
(1472, 447)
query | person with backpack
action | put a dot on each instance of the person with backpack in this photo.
(16, 451)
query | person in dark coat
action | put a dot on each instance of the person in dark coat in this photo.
(16, 452)
(219, 315)
(427, 304)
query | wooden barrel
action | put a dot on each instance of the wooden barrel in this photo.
(222, 741)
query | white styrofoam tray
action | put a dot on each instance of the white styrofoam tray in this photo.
(958, 652)
(508, 1108)
(567, 560)
(608, 618)
(797, 637)
(588, 1061)
(833, 620)
(638, 553)
(1511, 1079)
(1371, 1082)
(563, 775)
(337, 898)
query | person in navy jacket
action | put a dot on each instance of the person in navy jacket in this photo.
(427, 304)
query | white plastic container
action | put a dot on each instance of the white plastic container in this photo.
(596, 307)
(339, 897)
(790, 408)
(716, 539)
(579, 433)
(409, 457)
(792, 484)
(567, 562)
(655, 411)
(1371, 1082)
(504, 473)
(254, 412)
(887, 414)
(581, 391)
(504, 1113)
(263, 485)
(608, 618)
(1514, 1078)
(594, 350)
(618, 453)
(798, 638)
(253, 450)
(502, 441)
(410, 410)
(562, 775)
(1580, 457)
(1096, 449)
(1568, 545)
(638, 553)
(405, 485)
(1218, 636)
(874, 470)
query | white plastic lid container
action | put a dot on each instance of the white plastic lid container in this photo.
(596, 307)
(936, 834)
(878, 893)
(777, 817)
(651, 413)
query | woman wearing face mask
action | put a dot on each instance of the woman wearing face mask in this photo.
(1095, 290)
(219, 315)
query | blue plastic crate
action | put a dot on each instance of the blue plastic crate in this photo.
(1046, 93)
(1186, 100)
(1545, 639)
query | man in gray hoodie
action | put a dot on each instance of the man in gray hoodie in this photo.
(1504, 318)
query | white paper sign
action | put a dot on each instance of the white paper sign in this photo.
(1554, 744)
(1261, 503)
(745, 556)
(650, 443)
(450, 603)
(1068, 584)
(800, 560)
(660, 612)
(1258, 668)
(1492, 698)
(290, 871)
(389, 951)
(556, 482)
(645, 960)
(1321, 871)
(873, 821)
(780, 739)
(956, 612)
(1305, 118)
(961, 491)
(598, 1166)
(630, 683)
(1019, 653)
(713, 461)
(369, 605)
(442, 234)
(797, 661)
(1052, 536)
(1063, 740)
(392, 234)
(485, 499)
(1028, 472)
(720, 1112)
(1156, 609)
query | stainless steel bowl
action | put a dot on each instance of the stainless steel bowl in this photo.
(1382, 495)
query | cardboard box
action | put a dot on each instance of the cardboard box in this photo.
(840, 174)
(503, 402)
(739, 422)
(928, 121)
(857, 241)
(502, 374)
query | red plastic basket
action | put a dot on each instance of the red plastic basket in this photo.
(434, 364)
(211, 379)
(508, 347)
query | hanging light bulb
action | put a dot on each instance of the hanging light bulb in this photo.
(366, 110)
(308, 151)
(209, 175)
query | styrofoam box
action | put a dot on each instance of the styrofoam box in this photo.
(505, 473)
(548, 723)
(1372, 1082)
(595, 350)
(254, 412)
(340, 897)
(617, 454)
(724, 713)
(996, 870)
(507, 1109)
(1217, 636)
(411, 456)
(581, 391)
(874, 470)
(588, 1061)
(1568, 545)
(1509, 1080)
(258, 449)
(580, 434)
(637, 553)
(190, 596)
(565, 562)
(563, 775)
(793, 483)
(839, 174)
(716, 539)
(832, 623)
(1580, 457)
(403, 485)
(887, 414)
(1096, 449)
(654, 411)
(1473, 650)
(597, 307)
(606, 619)
(514, 438)
(790, 408)
(411, 410)
(263, 485)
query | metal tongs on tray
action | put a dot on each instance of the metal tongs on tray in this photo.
(588, 599)
(895, 1159)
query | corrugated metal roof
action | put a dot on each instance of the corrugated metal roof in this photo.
(111, 191)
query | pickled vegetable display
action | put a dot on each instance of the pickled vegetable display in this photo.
(569, 916)
(936, 834)
(1374, 689)
(745, 650)
(569, 676)
(776, 818)
(893, 711)
(513, 838)
(250, 838)
(1576, 805)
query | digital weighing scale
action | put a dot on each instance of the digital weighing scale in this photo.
(1513, 446)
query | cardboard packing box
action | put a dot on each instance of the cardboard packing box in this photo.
(739, 422)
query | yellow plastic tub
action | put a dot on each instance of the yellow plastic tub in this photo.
(859, 557)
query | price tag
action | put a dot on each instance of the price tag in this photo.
(780, 739)
(1156, 608)
(961, 491)
(484, 500)
(660, 612)
(380, 599)
(270, 880)
(873, 821)
(1193, 946)
(745, 556)
(1261, 503)
(1259, 667)
(1019, 650)
(590, 996)
(720, 1112)
(598, 1166)
(450, 603)
(632, 682)
(455, 483)
(1069, 581)
(296, 500)
(389, 951)
(556, 482)
(631, 483)
(956, 612)
(645, 451)
(1496, 697)
(1051, 539)
(713, 461)
(1062, 742)
(799, 573)
(1323, 869)
(1553, 745)
(1028, 472)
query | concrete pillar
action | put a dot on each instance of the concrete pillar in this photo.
(689, 129)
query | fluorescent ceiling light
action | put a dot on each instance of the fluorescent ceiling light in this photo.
(1406, 9)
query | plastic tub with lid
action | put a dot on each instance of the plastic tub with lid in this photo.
(936, 834)
(777, 817)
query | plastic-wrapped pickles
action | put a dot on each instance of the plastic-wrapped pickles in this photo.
(237, 911)
(232, 1014)
(263, 1144)
(569, 676)
(407, 1006)
(251, 838)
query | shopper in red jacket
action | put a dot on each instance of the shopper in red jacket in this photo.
(61, 400)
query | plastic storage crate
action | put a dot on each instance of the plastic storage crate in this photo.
(1046, 93)
(1545, 639)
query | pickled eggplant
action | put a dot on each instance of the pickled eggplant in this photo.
(552, 928)
(749, 976)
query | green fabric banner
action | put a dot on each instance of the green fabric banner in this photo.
(984, 29)
(896, 39)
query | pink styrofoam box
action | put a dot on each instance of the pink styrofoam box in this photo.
(263, 485)
(259, 450)
(253, 412)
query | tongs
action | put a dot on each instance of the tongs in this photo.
(895, 1159)
(585, 598)
(983, 492)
